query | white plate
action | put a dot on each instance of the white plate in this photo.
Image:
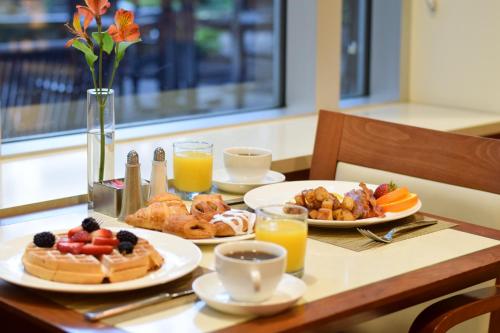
(219, 240)
(181, 257)
(284, 192)
(221, 179)
(210, 289)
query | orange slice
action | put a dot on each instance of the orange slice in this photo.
(393, 196)
(403, 204)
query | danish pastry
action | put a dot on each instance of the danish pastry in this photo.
(189, 226)
(206, 206)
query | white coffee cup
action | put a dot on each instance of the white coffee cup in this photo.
(249, 280)
(247, 164)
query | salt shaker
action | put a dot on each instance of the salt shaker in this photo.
(132, 199)
(158, 181)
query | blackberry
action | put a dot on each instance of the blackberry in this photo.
(127, 236)
(90, 224)
(44, 239)
(125, 247)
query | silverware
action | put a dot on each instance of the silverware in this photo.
(388, 237)
(119, 309)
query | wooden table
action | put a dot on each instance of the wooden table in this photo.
(477, 260)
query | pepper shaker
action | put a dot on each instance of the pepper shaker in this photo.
(158, 181)
(132, 199)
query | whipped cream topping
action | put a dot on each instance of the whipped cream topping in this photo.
(235, 219)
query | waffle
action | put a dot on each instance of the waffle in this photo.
(50, 264)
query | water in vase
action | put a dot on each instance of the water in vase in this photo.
(93, 157)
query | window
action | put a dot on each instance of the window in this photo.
(197, 58)
(355, 47)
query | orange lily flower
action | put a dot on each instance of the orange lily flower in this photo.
(77, 30)
(94, 9)
(124, 29)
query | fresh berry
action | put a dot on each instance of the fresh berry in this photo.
(383, 189)
(127, 236)
(66, 247)
(81, 237)
(73, 231)
(44, 239)
(96, 249)
(105, 233)
(105, 241)
(125, 247)
(90, 224)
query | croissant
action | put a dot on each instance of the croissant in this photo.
(154, 216)
(169, 198)
(189, 226)
(234, 222)
(206, 206)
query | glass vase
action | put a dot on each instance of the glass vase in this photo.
(100, 138)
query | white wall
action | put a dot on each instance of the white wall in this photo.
(454, 54)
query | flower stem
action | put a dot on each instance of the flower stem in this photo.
(102, 104)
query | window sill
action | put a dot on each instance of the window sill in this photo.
(150, 130)
(57, 177)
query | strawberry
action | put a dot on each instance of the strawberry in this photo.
(104, 233)
(81, 237)
(96, 249)
(105, 241)
(65, 247)
(383, 189)
(73, 231)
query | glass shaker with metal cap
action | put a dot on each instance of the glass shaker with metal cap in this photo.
(132, 199)
(158, 181)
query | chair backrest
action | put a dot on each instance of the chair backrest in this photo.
(461, 160)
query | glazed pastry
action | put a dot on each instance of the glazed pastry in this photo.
(189, 226)
(169, 198)
(154, 216)
(206, 206)
(233, 222)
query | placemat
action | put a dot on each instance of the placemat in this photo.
(351, 239)
(86, 302)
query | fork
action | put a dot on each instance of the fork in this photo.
(388, 237)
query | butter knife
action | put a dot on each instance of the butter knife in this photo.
(119, 309)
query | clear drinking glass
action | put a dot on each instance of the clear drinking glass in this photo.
(285, 225)
(193, 162)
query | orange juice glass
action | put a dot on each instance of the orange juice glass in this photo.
(285, 225)
(193, 167)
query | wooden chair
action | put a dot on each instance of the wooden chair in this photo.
(460, 160)
(443, 315)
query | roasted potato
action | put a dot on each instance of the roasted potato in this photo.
(313, 214)
(347, 203)
(328, 204)
(321, 194)
(325, 214)
(299, 200)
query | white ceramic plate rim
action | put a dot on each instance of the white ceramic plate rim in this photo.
(181, 258)
(275, 177)
(284, 192)
(219, 240)
(295, 294)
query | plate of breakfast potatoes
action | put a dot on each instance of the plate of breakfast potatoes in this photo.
(339, 204)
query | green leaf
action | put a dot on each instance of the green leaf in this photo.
(122, 47)
(90, 57)
(107, 42)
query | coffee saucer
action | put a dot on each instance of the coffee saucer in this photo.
(209, 288)
(223, 182)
